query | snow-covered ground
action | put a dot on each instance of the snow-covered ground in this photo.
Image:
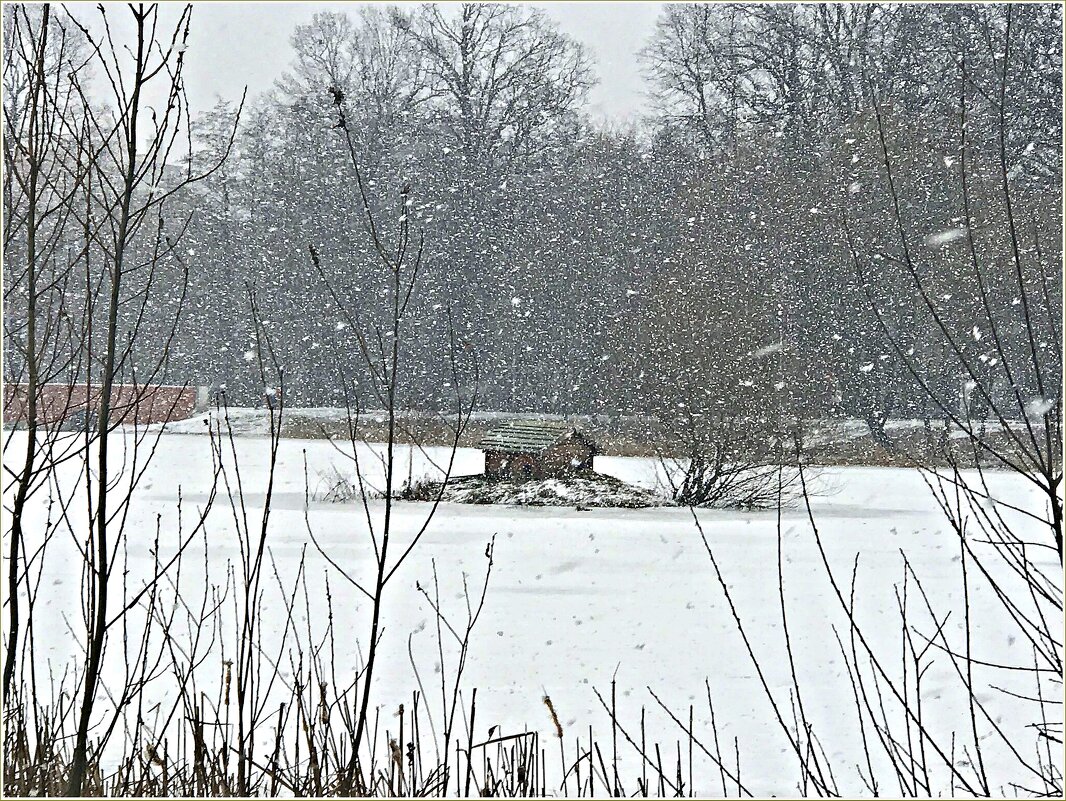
(577, 597)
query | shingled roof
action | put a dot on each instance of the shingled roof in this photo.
(525, 436)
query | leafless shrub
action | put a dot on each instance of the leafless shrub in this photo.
(335, 486)
(727, 462)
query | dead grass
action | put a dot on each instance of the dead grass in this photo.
(403, 759)
(637, 438)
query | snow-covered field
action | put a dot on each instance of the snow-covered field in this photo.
(577, 597)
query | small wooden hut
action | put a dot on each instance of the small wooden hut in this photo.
(536, 449)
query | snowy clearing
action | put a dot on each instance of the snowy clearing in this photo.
(577, 597)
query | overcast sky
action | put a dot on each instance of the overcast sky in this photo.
(248, 43)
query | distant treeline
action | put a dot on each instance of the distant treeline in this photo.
(698, 259)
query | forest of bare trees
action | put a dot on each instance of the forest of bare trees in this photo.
(759, 135)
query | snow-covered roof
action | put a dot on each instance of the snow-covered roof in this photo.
(527, 436)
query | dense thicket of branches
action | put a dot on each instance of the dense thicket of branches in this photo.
(596, 269)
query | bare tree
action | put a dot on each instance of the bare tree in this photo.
(806, 70)
(503, 78)
(380, 345)
(701, 76)
(46, 160)
(131, 182)
(369, 63)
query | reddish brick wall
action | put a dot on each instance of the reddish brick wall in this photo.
(56, 402)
